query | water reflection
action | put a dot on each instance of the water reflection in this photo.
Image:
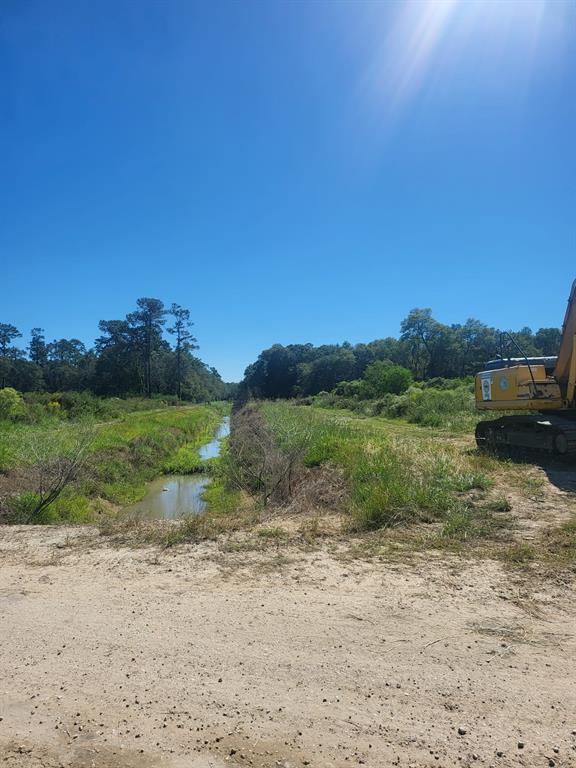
(174, 496)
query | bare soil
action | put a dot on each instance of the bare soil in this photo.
(207, 657)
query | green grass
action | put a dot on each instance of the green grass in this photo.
(395, 476)
(70, 507)
(411, 490)
(122, 457)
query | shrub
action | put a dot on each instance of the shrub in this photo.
(434, 408)
(439, 382)
(349, 389)
(56, 458)
(261, 461)
(382, 378)
(11, 403)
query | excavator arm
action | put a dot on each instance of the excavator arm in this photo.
(565, 370)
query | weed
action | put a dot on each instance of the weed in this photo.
(166, 534)
(520, 553)
(272, 533)
(560, 543)
(499, 504)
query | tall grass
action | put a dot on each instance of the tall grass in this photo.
(392, 480)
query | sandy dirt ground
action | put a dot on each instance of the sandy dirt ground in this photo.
(204, 658)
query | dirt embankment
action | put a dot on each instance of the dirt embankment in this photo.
(208, 658)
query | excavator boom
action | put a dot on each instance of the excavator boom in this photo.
(566, 361)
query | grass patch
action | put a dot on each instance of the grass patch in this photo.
(70, 507)
(560, 543)
(394, 479)
(476, 523)
(272, 533)
(499, 504)
(221, 499)
(122, 457)
(519, 553)
(185, 461)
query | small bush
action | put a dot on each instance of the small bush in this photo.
(21, 508)
(69, 507)
(11, 404)
(449, 406)
(349, 389)
(439, 382)
(185, 461)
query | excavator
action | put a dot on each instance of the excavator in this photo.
(540, 389)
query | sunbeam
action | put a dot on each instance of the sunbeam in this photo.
(424, 43)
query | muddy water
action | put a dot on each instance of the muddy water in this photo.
(173, 496)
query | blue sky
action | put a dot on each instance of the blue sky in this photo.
(289, 171)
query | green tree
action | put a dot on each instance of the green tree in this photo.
(63, 369)
(475, 343)
(8, 352)
(37, 349)
(274, 374)
(26, 376)
(548, 340)
(322, 374)
(147, 322)
(117, 366)
(185, 341)
(527, 342)
(7, 335)
(423, 336)
(66, 351)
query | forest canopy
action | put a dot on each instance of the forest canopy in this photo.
(426, 348)
(131, 356)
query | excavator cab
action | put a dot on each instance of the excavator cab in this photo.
(541, 387)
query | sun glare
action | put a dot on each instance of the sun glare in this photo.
(424, 42)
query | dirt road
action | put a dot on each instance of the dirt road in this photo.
(207, 658)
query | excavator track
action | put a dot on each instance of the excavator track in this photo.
(550, 433)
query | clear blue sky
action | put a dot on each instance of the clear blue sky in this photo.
(290, 171)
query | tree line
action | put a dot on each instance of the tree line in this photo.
(426, 347)
(130, 357)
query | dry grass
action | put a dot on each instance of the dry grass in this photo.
(167, 533)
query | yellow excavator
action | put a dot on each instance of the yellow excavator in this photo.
(543, 388)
